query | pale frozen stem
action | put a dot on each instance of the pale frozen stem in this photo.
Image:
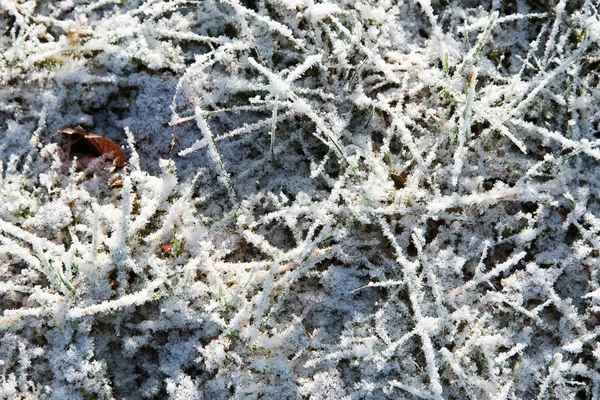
(499, 20)
(498, 269)
(214, 154)
(458, 370)
(135, 157)
(464, 126)
(471, 57)
(276, 26)
(273, 127)
(120, 250)
(552, 371)
(516, 111)
(550, 43)
(491, 116)
(247, 128)
(586, 147)
(134, 299)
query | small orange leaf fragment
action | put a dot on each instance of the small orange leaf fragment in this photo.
(117, 183)
(174, 248)
(167, 248)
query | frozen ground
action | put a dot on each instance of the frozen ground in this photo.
(323, 200)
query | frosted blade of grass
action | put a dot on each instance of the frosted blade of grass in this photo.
(134, 160)
(273, 126)
(558, 22)
(474, 53)
(545, 81)
(260, 106)
(576, 346)
(502, 357)
(39, 263)
(407, 139)
(465, 125)
(529, 192)
(504, 391)
(530, 314)
(553, 370)
(69, 256)
(584, 146)
(458, 370)
(188, 36)
(260, 242)
(11, 247)
(300, 106)
(134, 299)
(496, 123)
(380, 284)
(213, 152)
(95, 230)
(282, 88)
(308, 256)
(500, 268)
(422, 394)
(7, 287)
(45, 251)
(198, 145)
(276, 26)
(393, 346)
(39, 244)
(375, 58)
(278, 87)
(262, 301)
(157, 191)
(316, 170)
(429, 271)
(119, 250)
(25, 312)
(508, 18)
(437, 31)
(98, 4)
(247, 128)
(297, 72)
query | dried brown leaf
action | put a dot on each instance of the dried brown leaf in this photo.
(399, 179)
(97, 144)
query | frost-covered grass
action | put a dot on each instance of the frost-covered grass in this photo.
(323, 200)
